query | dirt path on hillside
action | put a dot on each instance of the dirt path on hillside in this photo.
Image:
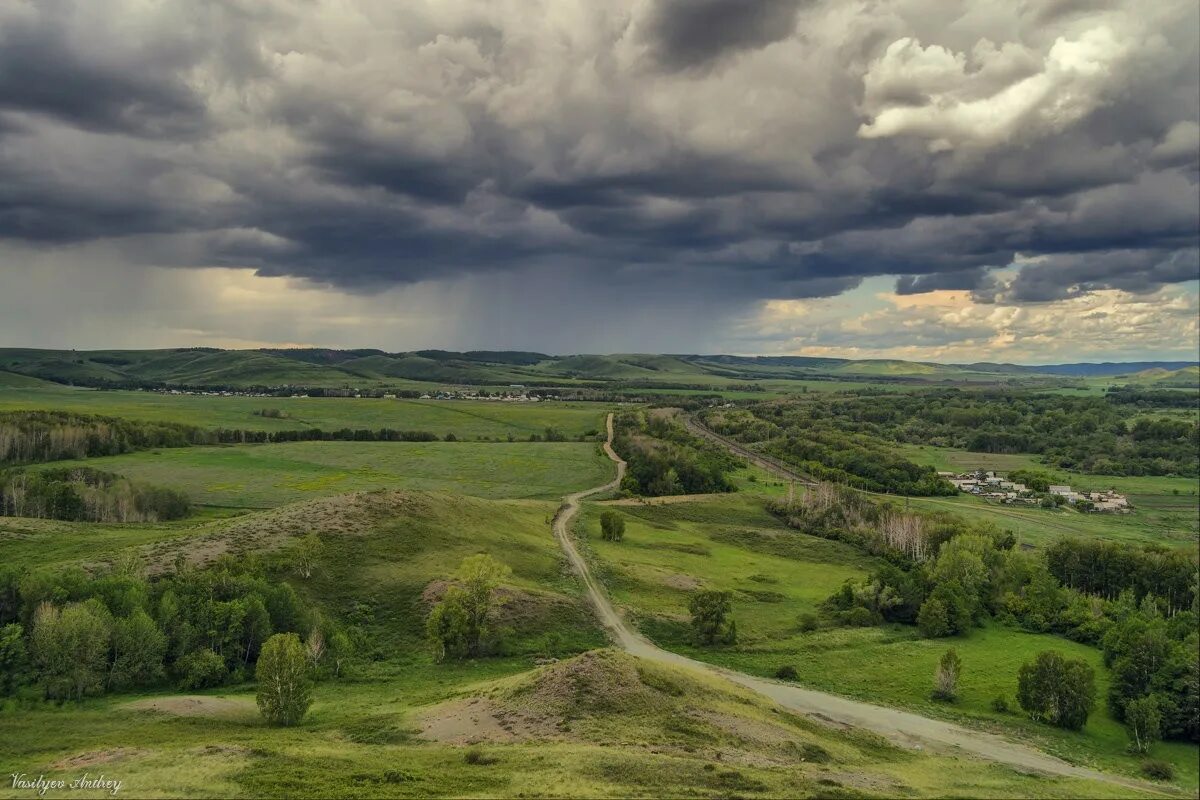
(901, 727)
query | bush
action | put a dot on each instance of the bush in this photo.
(710, 624)
(612, 526)
(1000, 704)
(786, 673)
(859, 617)
(200, 670)
(1158, 770)
(809, 622)
(477, 757)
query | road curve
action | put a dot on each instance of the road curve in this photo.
(901, 727)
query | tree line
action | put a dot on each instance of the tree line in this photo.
(1088, 434)
(82, 494)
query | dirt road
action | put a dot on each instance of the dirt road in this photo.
(901, 727)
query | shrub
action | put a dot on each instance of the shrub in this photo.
(1000, 704)
(284, 689)
(458, 626)
(859, 617)
(1158, 770)
(477, 757)
(815, 753)
(809, 622)
(200, 670)
(786, 673)
(710, 611)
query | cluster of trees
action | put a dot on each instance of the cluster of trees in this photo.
(83, 494)
(28, 437)
(833, 511)
(460, 625)
(828, 453)
(1089, 434)
(1057, 690)
(612, 526)
(1106, 569)
(1155, 686)
(1139, 605)
(74, 634)
(664, 459)
(1151, 398)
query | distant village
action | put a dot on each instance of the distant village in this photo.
(990, 486)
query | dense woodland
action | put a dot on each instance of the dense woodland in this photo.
(664, 459)
(849, 433)
(81, 494)
(73, 634)
(947, 576)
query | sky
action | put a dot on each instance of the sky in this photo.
(922, 179)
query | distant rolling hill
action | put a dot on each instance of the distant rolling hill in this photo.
(370, 368)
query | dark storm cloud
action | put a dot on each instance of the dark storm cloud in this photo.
(46, 67)
(693, 33)
(1138, 272)
(411, 143)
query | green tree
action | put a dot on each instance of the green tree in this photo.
(612, 526)
(945, 677)
(14, 660)
(1143, 722)
(70, 648)
(307, 553)
(459, 625)
(256, 627)
(284, 688)
(341, 648)
(1056, 690)
(201, 669)
(138, 647)
(932, 619)
(710, 617)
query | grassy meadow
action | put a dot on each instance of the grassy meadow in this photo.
(466, 419)
(777, 575)
(267, 475)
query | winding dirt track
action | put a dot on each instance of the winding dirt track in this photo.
(900, 727)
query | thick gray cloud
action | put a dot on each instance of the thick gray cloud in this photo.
(747, 150)
(693, 33)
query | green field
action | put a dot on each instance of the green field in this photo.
(777, 574)
(469, 419)
(267, 475)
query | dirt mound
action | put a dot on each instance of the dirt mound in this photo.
(196, 706)
(598, 682)
(345, 515)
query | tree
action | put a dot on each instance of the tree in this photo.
(710, 611)
(308, 552)
(138, 648)
(314, 647)
(1143, 721)
(612, 526)
(340, 649)
(201, 669)
(71, 648)
(284, 689)
(1056, 690)
(932, 619)
(459, 624)
(945, 677)
(14, 660)
(256, 627)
